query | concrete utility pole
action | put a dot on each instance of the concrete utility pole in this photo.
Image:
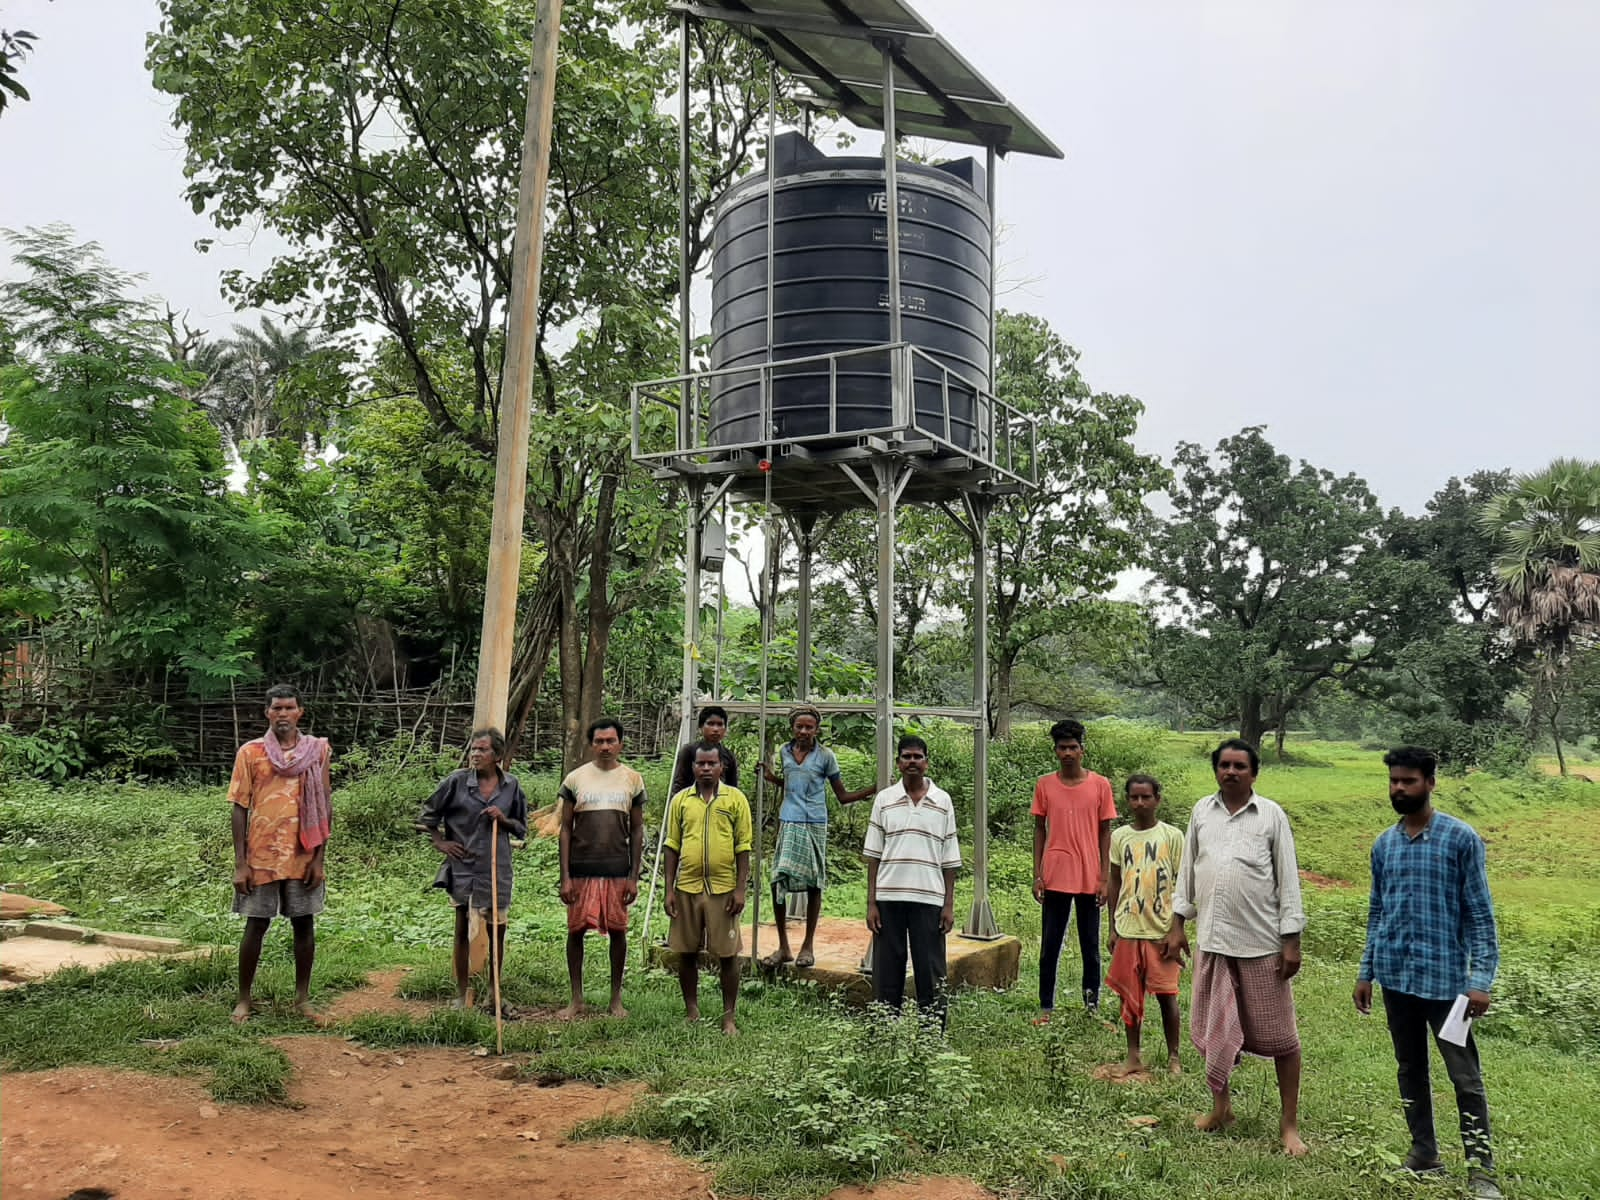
(516, 381)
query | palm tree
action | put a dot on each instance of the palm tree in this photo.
(1547, 531)
(262, 383)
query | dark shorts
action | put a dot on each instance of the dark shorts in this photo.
(281, 898)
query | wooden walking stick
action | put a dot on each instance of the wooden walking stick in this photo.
(495, 936)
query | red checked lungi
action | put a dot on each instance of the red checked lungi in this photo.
(1240, 1005)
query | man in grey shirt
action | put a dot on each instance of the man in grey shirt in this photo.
(1239, 883)
(471, 818)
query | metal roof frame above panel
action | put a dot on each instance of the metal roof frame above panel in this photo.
(835, 48)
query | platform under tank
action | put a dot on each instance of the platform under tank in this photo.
(831, 293)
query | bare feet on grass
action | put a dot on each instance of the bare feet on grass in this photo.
(1215, 1121)
(616, 1010)
(1289, 1135)
(691, 1013)
(729, 1029)
(571, 1011)
(241, 1012)
(1174, 1067)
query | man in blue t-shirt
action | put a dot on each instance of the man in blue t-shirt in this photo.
(800, 863)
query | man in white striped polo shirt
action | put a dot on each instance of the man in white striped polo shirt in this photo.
(912, 858)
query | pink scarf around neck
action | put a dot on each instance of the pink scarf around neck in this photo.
(305, 762)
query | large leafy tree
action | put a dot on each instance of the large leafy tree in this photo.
(1056, 550)
(379, 139)
(1279, 578)
(1451, 683)
(1546, 527)
(1059, 549)
(1449, 537)
(112, 482)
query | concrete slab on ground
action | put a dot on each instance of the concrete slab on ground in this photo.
(39, 949)
(842, 944)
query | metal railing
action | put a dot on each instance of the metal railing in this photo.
(671, 419)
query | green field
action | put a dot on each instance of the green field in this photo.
(812, 1096)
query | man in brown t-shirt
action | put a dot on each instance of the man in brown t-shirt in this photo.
(602, 843)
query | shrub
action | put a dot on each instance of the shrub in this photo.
(860, 1094)
(1461, 745)
(1115, 748)
(383, 787)
(50, 754)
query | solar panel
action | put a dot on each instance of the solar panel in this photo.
(832, 46)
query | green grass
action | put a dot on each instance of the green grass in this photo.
(811, 1096)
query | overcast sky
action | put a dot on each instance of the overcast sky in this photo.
(1370, 226)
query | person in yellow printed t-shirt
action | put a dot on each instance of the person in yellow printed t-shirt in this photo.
(1144, 869)
(709, 835)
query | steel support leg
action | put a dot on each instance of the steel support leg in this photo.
(889, 477)
(802, 527)
(980, 921)
(694, 524)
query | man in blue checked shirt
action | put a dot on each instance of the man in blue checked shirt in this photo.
(1430, 938)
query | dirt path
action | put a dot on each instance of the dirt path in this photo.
(411, 1124)
(427, 1123)
(380, 994)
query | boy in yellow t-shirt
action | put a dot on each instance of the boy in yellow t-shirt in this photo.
(709, 835)
(1144, 869)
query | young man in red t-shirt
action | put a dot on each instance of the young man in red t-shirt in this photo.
(1073, 810)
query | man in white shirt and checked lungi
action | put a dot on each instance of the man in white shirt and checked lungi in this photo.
(1240, 878)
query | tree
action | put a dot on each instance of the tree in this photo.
(1279, 578)
(1452, 682)
(380, 141)
(273, 382)
(1058, 550)
(1450, 538)
(928, 553)
(113, 484)
(1547, 530)
(1055, 551)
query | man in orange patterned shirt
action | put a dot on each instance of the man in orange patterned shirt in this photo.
(281, 820)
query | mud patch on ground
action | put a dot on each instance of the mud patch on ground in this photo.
(380, 994)
(423, 1123)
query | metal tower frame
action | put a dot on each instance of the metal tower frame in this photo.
(830, 45)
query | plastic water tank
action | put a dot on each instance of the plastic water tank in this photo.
(831, 293)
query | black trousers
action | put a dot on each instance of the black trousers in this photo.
(1057, 910)
(913, 924)
(1410, 1019)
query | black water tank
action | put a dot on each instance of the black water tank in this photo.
(831, 292)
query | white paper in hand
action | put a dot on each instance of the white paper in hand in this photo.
(1457, 1025)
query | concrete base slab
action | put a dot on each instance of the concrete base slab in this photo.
(38, 949)
(26, 959)
(59, 931)
(842, 944)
